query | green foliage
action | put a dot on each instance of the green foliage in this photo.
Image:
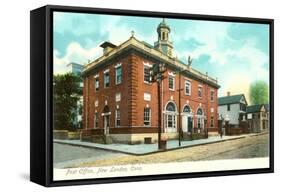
(259, 93)
(66, 93)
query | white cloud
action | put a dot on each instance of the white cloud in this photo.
(233, 75)
(74, 53)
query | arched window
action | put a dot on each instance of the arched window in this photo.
(171, 107)
(199, 111)
(170, 117)
(186, 109)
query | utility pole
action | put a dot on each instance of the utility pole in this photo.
(179, 90)
(159, 114)
(156, 75)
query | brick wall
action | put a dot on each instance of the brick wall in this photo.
(132, 91)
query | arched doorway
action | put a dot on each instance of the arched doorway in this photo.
(187, 119)
(170, 117)
(106, 121)
(200, 118)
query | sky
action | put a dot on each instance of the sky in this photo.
(235, 53)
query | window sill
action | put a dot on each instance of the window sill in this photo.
(147, 83)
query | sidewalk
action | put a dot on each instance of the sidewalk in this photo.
(144, 149)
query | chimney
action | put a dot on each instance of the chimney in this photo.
(228, 93)
(107, 47)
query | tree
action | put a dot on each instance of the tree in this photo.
(259, 92)
(66, 93)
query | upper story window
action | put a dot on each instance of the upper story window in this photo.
(146, 116)
(172, 83)
(146, 74)
(187, 88)
(106, 79)
(228, 107)
(118, 74)
(212, 95)
(97, 83)
(242, 107)
(200, 92)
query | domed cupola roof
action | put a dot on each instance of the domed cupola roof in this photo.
(163, 24)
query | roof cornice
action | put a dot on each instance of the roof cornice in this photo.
(134, 43)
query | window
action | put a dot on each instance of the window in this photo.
(200, 92)
(242, 107)
(146, 74)
(96, 103)
(199, 124)
(106, 79)
(171, 83)
(212, 121)
(118, 75)
(146, 116)
(170, 118)
(186, 109)
(170, 121)
(97, 83)
(147, 96)
(96, 118)
(212, 95)
(118, 97)
(200, 118)
(117, 117)
(187, 88)
(228, 107)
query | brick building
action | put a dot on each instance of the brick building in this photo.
(119, 100)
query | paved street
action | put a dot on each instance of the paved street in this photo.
(68, 155)
(257, 149)
(248, 147)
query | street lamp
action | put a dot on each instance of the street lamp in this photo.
(226, 123)
(220, 120)
(179, 90)
(205, 127)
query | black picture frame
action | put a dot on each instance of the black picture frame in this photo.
(41, 68)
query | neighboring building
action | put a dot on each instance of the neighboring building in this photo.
(233, 107)
(258, 117)
(120, 101)
(76, 69)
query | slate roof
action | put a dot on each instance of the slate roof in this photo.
(253, 108)
(267, 107)
(232, 99)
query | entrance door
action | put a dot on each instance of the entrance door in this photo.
(184, 123)
(190, 124)
(106, 124)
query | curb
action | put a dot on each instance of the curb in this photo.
(153, 152)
